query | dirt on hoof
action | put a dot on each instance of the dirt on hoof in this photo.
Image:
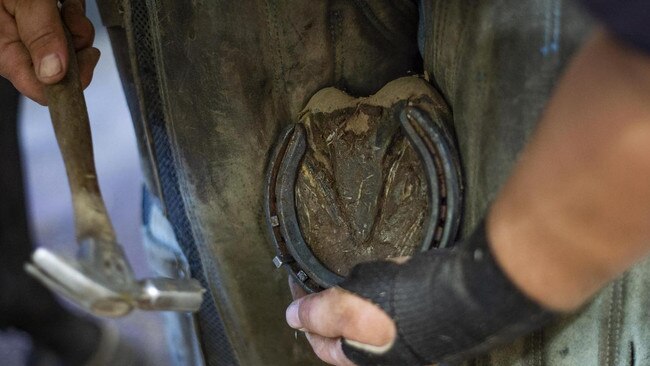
(361, 192)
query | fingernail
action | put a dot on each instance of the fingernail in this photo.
(50, 66)
(378, 350)
(292, 316)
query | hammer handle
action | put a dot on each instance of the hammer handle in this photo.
(69, 114)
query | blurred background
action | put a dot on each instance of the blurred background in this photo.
(49, 203)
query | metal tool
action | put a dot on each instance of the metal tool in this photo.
(99, 279)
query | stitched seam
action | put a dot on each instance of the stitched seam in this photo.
(490, 341)
(608, 327)
(539, 345)
(274, 35)
(147, 68)
(400, 334)
(617, 324)
(620, 286)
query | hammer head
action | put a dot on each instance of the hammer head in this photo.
(101, 282)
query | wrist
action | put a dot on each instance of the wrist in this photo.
(574, 213)
(539, 257)
(448, 304)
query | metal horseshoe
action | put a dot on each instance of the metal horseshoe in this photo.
(433, 144)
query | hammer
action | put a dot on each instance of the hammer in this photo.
(100, 279)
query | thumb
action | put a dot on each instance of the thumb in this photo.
(41, 30)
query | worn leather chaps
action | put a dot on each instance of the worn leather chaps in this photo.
(213, 85)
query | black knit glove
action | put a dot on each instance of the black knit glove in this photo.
(448, 305)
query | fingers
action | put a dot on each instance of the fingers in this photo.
(40, 28)
(16, 65)
(15, 61)
(81, 29)
(87, 59)
(328, 349)
(33, 46)
(336, 313)
(24, 79)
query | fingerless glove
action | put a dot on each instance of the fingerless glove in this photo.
(448, 305)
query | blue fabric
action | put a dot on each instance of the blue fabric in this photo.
(211, 328)
(627, 19)
(166, 259)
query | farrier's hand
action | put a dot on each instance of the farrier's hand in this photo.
(33, 47)
(327, 316)
(446, 305)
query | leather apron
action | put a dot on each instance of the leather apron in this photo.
(212, 85)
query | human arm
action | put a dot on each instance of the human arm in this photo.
(575, 212)
(572, 216)
(33, 47)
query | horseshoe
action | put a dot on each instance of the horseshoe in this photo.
(433, 144)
